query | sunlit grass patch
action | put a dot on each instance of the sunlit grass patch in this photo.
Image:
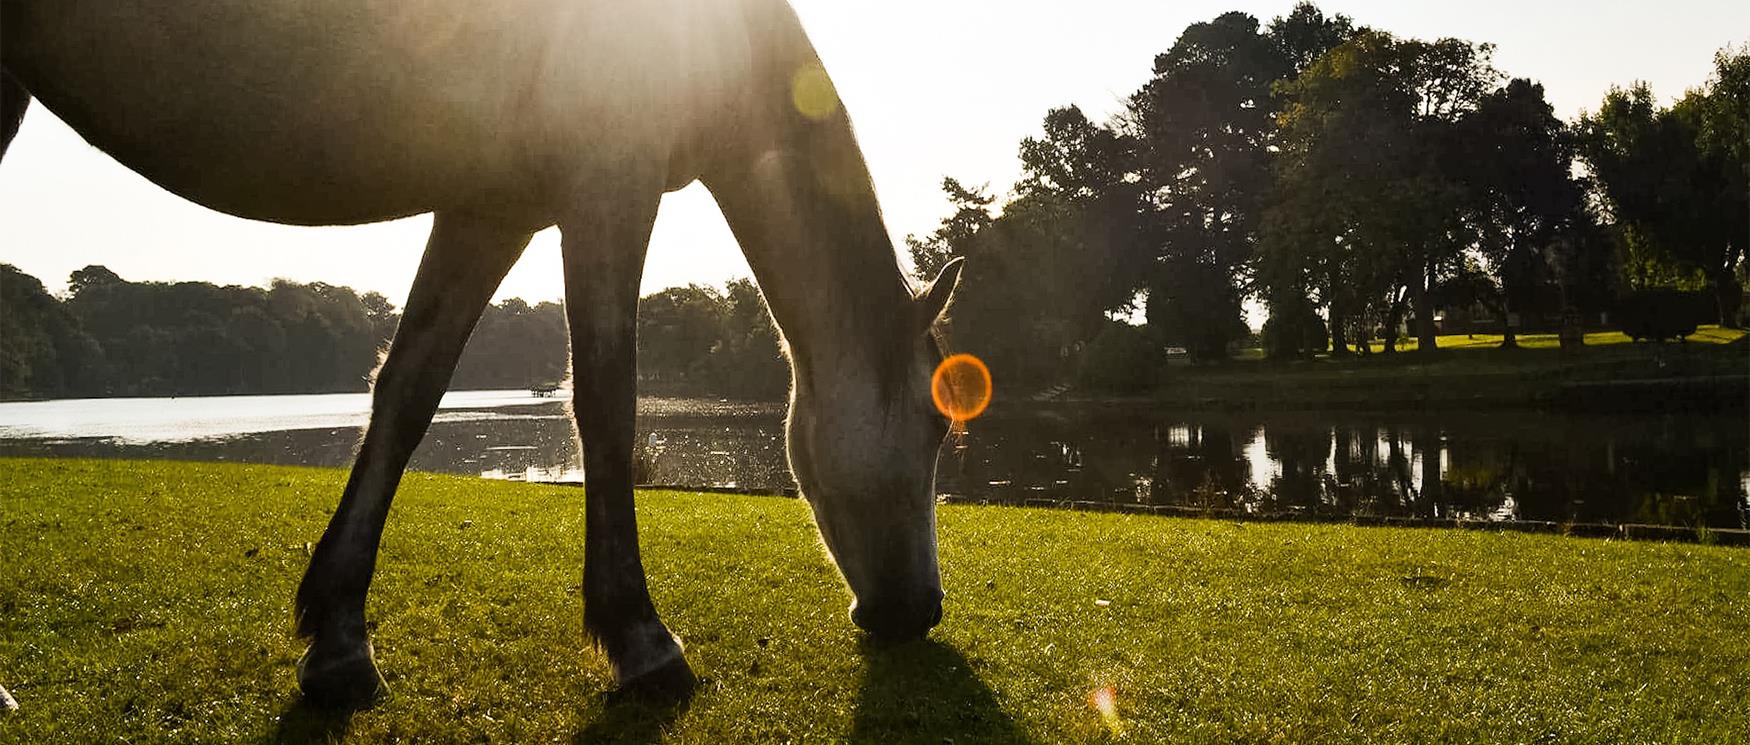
(149, 602)
(1702, 335)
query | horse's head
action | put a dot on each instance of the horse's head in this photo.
(863, 449)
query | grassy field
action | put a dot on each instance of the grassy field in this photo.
(148, 602)
(1708, 371)
(1702, 335)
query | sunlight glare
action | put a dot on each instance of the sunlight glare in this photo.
(812, 93)
(1104, 700)
(961, 388)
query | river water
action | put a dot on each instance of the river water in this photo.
(1685, 470)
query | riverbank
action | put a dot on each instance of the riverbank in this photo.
(1710, 372)
(149, 600)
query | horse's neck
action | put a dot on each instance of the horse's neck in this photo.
(799, 198)
(827, 268)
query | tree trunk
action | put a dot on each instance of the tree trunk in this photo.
(1509, 340)
(1426, 334)
(1393, 319)
(1339, 337)
(1728, 296)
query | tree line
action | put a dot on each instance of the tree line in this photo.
(112, 337)
(1350, 182)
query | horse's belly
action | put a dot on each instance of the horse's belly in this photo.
(311, 120)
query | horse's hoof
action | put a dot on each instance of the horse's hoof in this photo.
(344, 679)
(669, 682)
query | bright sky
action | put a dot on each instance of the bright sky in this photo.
(936, 87)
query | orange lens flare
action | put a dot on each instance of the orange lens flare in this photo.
(1104, 701)
(961, 387)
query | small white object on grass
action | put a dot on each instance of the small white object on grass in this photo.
(7, 702)
(1102, 603)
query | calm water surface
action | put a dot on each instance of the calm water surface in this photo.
(1513, 465)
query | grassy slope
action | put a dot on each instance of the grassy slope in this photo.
(148, 601)
(1470, 371)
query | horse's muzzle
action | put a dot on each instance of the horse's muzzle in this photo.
(907, 619)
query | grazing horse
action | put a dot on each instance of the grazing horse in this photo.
(503, 119)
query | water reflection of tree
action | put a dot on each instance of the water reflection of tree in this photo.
(1199, 465)
(1302, 480)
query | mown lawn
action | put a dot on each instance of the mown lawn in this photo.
(1470, 371)
(147, 602)
(1702, 335)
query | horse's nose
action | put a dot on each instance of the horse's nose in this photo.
(899, 621)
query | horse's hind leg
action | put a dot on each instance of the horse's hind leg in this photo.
(604, 248)
(464, 263)
(14, 99)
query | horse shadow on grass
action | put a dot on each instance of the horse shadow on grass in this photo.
(633, 718)
(925, 691)
(302, 723)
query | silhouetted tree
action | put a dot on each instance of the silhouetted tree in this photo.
(1519, 162)
(1676, 178)
(677, 329)
(1370, 204)
(43, 349)
(516, 345)
(1206, 121)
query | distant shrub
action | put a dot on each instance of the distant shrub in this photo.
(1121, 359)
(1660, 314)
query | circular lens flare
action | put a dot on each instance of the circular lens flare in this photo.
(812, 93)
(1104, 701)
(961, 387)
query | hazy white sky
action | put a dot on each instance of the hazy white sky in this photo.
(936, 87)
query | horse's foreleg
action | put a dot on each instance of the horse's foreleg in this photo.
(604, 250)
(464, 262)
(14, 99)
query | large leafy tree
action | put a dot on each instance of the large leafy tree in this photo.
(1371, 198)
(1675, 178)
(1045, 273)
(1205, 122)
(1524, 198)
(677, 329)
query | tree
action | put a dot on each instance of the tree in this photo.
(516, 345)
(1206, 122)
(43, 349)
(1043, 277)
(1306, 34)
(1081, 173)
(1677, 177)
(677, 329)
(1524, 197)
(1371, 199)
(971, 215)
(748, 359)
(382, 315)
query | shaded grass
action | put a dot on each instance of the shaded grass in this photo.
(148, 602)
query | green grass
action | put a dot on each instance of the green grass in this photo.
(1471, 371)
(148, 602)
(1702, 335)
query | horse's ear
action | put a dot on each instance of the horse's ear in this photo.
(934, 299)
